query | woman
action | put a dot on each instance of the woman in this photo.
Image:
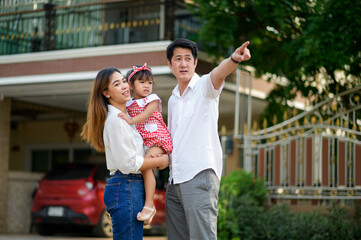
(123, 146)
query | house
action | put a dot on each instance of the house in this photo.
(50, 52)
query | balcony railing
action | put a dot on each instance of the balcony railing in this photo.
(35, 26)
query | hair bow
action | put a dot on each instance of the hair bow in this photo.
(137, 69)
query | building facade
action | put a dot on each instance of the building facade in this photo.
(50, 52)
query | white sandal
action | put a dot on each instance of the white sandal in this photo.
(147, 217)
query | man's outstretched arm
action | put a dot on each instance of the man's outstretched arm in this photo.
(228, 65)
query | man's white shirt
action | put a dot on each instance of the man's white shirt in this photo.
(193, 125)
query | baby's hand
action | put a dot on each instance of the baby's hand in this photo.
(125, 117)
(122, 115)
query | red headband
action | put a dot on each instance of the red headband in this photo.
(137, 69)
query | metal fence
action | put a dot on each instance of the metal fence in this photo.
(313, 155)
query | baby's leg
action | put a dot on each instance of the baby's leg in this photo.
(149, 186)
(149, 179)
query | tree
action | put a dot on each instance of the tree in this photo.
(314, 44)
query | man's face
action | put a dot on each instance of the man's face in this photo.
(183, 65)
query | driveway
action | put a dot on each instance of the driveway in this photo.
(38, 237)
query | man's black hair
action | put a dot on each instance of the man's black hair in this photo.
(182, 43)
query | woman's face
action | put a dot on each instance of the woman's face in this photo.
(118, 90)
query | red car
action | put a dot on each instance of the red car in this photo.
(72, 195)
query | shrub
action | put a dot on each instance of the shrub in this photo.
(242, 215)
(241, 200)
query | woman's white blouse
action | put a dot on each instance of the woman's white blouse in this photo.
(123, 144)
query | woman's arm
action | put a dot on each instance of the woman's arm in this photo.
(158, 162)
(149, 110)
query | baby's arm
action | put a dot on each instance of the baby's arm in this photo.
(149, 110)
(126, 118)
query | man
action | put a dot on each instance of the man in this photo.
(196, 165)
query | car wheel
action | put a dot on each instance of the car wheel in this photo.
(104, 228)
(44, 229)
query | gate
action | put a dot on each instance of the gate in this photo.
(313, 155)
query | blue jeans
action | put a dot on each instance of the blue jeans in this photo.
(124, 198)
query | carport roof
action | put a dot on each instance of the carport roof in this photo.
(57, 84)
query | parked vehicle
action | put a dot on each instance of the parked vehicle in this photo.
(72, 195)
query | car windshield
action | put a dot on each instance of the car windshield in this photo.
(70, 171)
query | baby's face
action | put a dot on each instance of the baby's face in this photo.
(142, 88)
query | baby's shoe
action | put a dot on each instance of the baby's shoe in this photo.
(147, 217)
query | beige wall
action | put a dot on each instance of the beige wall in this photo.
(20, 190)
(44, 133)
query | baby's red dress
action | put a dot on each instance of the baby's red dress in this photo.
(153, 130)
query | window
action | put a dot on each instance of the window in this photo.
(40, 161)
(43, 159)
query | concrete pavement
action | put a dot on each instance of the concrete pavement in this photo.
(38, 237)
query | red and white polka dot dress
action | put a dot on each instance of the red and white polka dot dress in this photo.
(153, 130)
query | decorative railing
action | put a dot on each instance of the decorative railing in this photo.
(313, 155)
(31, 26)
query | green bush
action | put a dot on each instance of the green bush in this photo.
(241, 201)
(243, 215)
